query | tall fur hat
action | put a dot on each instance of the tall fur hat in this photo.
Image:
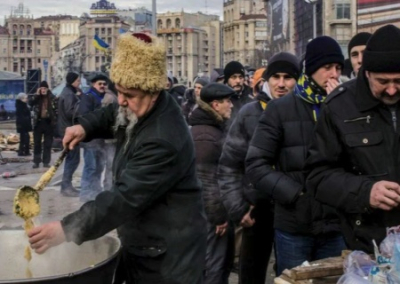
(139, 62)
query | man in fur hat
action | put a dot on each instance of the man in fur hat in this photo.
(155, 202)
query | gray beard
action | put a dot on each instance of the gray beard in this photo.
(126, 118)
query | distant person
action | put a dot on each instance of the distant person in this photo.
(356, 50)
(93, 151)
(192, 95)
(68, 111)
(24, 123)
(3, 113)
(217, 75)
(44, 105)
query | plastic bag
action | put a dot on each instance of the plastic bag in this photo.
(358, 263)
(351, 278)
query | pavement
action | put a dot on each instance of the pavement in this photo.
(54, 206)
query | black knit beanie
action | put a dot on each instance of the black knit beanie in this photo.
(202, 81)
(71, 77)
(233, 67)
(382, 53)
(321, 51)
(44, 84)
(358, 39)
(282, 62)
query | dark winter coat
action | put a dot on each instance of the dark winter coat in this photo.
(275, 166)
(178, 93)
(68, 104)
(89, 102)
(356, 144)
(23, 117)
(155, 201)
(35, 101)
(189, 103)
(236, 193)
(240, 99)
(208, 136)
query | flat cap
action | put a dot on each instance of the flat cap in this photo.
(215, 91)
(99, 77)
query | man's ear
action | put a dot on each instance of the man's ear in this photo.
(215, 105)
(367, 74)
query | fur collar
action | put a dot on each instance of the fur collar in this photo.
(207, 108)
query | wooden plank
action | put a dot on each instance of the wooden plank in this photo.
(322, 268)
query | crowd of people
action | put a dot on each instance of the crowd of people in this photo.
(299, 158)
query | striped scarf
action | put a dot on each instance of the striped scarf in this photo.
(310, 92)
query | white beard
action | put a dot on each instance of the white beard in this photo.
(126, 118)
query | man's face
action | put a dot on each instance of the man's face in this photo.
(281, 84)
(136, 100)
(236, 82)
(100, 86)
(197, 89)
(77, 83)
(356, 56)
(251, 81)
(223, 107)
(168, 85)
(326, 73)
(385, 86)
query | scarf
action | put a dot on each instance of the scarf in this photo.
(309, 91)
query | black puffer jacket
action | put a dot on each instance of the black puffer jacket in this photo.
(241, 98)
(356, 144)
(155, 201)
(23, 117)
(236, 193)
(208, 136)
(68, 104)
(275, 163)
(178, 93)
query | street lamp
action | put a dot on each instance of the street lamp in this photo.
(314, 3)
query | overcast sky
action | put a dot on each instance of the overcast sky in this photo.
(77, 7)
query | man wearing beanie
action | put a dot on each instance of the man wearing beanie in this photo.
(93, 153)
(44, 105)
(191, 96)
(234, 74)
(156, 200)
(255, 216)
(356, 50)
(275, 164)
(68, 104)
(355, 156)
(208, 123)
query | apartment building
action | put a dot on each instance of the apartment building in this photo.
(108, 29)
(245, 32)
(193, 42)
(23, 47)
(373, 14)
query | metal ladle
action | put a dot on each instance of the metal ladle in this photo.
(26, 200)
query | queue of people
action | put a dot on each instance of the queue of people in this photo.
(294, 161)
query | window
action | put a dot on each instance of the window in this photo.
(103, 31)
(4, 50)
(38, 42)
(342, 9)
(159, 24)
(103, 59)
(39, 60)
(109, 31)
(109, 40)
(38, 51)
(96, 31)
(169, 23)
(97, 59)
(177, 23)
(261, 24)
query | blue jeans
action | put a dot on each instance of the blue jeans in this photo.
(70, 166)
(91, 175)
(293, 250)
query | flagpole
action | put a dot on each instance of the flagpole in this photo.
(154, 18)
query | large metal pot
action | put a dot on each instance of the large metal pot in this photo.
(92, 262)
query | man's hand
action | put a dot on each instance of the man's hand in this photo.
(221, 229)
(247, 221)
(385, 195)
(44, 237)
(73, 135)
(331, 85)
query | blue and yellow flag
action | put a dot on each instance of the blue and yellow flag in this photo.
(100, 44)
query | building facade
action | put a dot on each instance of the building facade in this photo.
(25, 47)
(373, 14)
(193, 43)
(245, 32)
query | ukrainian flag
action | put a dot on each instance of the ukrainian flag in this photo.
(100, 44)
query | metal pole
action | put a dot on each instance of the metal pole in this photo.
(315, 20)
(154, 18)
